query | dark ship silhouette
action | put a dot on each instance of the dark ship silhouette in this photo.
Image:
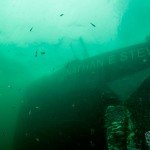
(101, 102)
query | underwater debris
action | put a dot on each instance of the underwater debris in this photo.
(93, 24)
(144, 60)
(31, 29)
(61, 15)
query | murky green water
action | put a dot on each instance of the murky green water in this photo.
(68, 75)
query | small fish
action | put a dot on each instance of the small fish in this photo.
(31, 29)
(42, 53)
(61, 15)
(93, 24)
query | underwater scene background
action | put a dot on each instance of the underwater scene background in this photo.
(74, 75)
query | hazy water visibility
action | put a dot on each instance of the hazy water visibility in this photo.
(39, 37)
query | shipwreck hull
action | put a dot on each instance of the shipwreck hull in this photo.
(66, 110)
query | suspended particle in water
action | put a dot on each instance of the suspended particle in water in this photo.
(27, 134)
(9, 86)
(37, 139)
(144, 60)
(73, 105)
(30, 112)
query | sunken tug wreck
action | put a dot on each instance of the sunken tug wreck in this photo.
(76, 109)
